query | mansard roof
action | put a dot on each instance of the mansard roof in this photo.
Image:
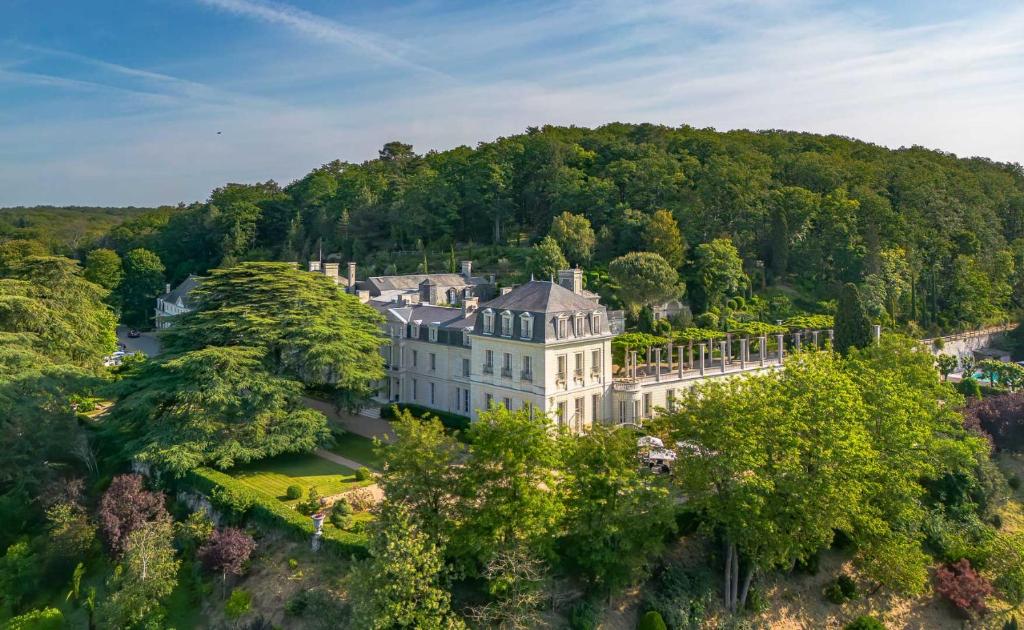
(542, 296)
(412, 281)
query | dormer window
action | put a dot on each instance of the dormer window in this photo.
(488, 322)
(526, 326)
(579, 325)
(414, 331)
(506, 324)
(595, 323)
(433, 332)
(563, 327)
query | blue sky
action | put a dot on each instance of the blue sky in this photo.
(118, 102)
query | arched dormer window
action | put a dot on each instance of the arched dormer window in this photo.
(526, 326)
(488, 322)
(506, 324)
(414, 330)
(580, 325)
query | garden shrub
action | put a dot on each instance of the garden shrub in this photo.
(1014, 482)
(319, 608)
(809, 565)
(293, 492)
(363, 473)
(340, 520)
(952, 540)
(842, 589)
(584, 615)
(1007, 565)
(680, 596)
(970, 388)
(651, 621)
(44, 619)
(451, 421)
(312, 504)
(239, 603)
(865, 622)
(961, 584)
(1000, 418)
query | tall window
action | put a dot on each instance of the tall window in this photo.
(527, 367)
(433, 333)
(465, 367)
(414, 331)
(563, 327)
(465, 400)
(647, 405)
(488, 322)
(415, 358)
(580, 325)
(508, 403)
(506, 365)
(526, 326)
(488, 400)
(415, 389)
(561, 367)
(433, 361)
(595, 407)
(433, 389)
(488, 361)
(506, 324)
(595, 362)
(578, 368)
(595, 323)
(578, 411)
(561, 413)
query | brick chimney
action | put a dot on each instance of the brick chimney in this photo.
(331, 270)
(467, 269)
(352, 276)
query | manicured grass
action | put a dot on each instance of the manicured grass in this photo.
(358, 448)
(273, 476)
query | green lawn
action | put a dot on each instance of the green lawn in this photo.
(358, 448)
(273, 476)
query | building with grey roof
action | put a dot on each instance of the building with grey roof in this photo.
(175, 302)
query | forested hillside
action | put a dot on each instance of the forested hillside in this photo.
(64, 230)
(933, 238)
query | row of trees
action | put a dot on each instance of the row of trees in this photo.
(869, 445)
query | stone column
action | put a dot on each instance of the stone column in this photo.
(877, 330)
(831, 337)
(721, 345)
(657, 355)
(681, 362)
(691, 354)
(728, 348)
(763, 343)
(701, 359)
(815, 333)
(743, 353)
(796, 340)
(670, 356)
(781, 338)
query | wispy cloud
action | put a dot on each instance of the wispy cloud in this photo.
(325, 29)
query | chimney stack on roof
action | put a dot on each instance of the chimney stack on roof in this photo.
(571, 279)
(352, 277)
(167, 287)
(330, 270)
(467, 269)
(505, 290)
(469, 305)
(314, 265)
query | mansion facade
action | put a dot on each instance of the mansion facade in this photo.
(459, 344)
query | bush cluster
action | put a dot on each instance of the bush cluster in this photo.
(680, 596)
(865, 622)
(842, 589)
(452, 421)
(961, 584)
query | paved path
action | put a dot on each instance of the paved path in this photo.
(360, 425)
(338, 459)
(147, 343)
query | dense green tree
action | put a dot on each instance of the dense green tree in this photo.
(546, 259)
(401, 584)
(718, 271)
(574, 236)
(616, 517)
(644, 279)
(215, 407)
(143, 282)
(147, 574)
(852, 325)
(422, 473)
(14, 251)
(510, 485)
(304, 327)
(662, 236)
(103, 267)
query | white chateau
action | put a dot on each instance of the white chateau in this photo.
(458, 344)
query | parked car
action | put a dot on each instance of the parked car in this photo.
(133, 334)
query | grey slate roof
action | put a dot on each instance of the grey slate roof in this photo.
(412, 281)
(183, 291)
(541, 296)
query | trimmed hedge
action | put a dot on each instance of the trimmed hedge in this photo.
(241, 503)
(451, 421)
